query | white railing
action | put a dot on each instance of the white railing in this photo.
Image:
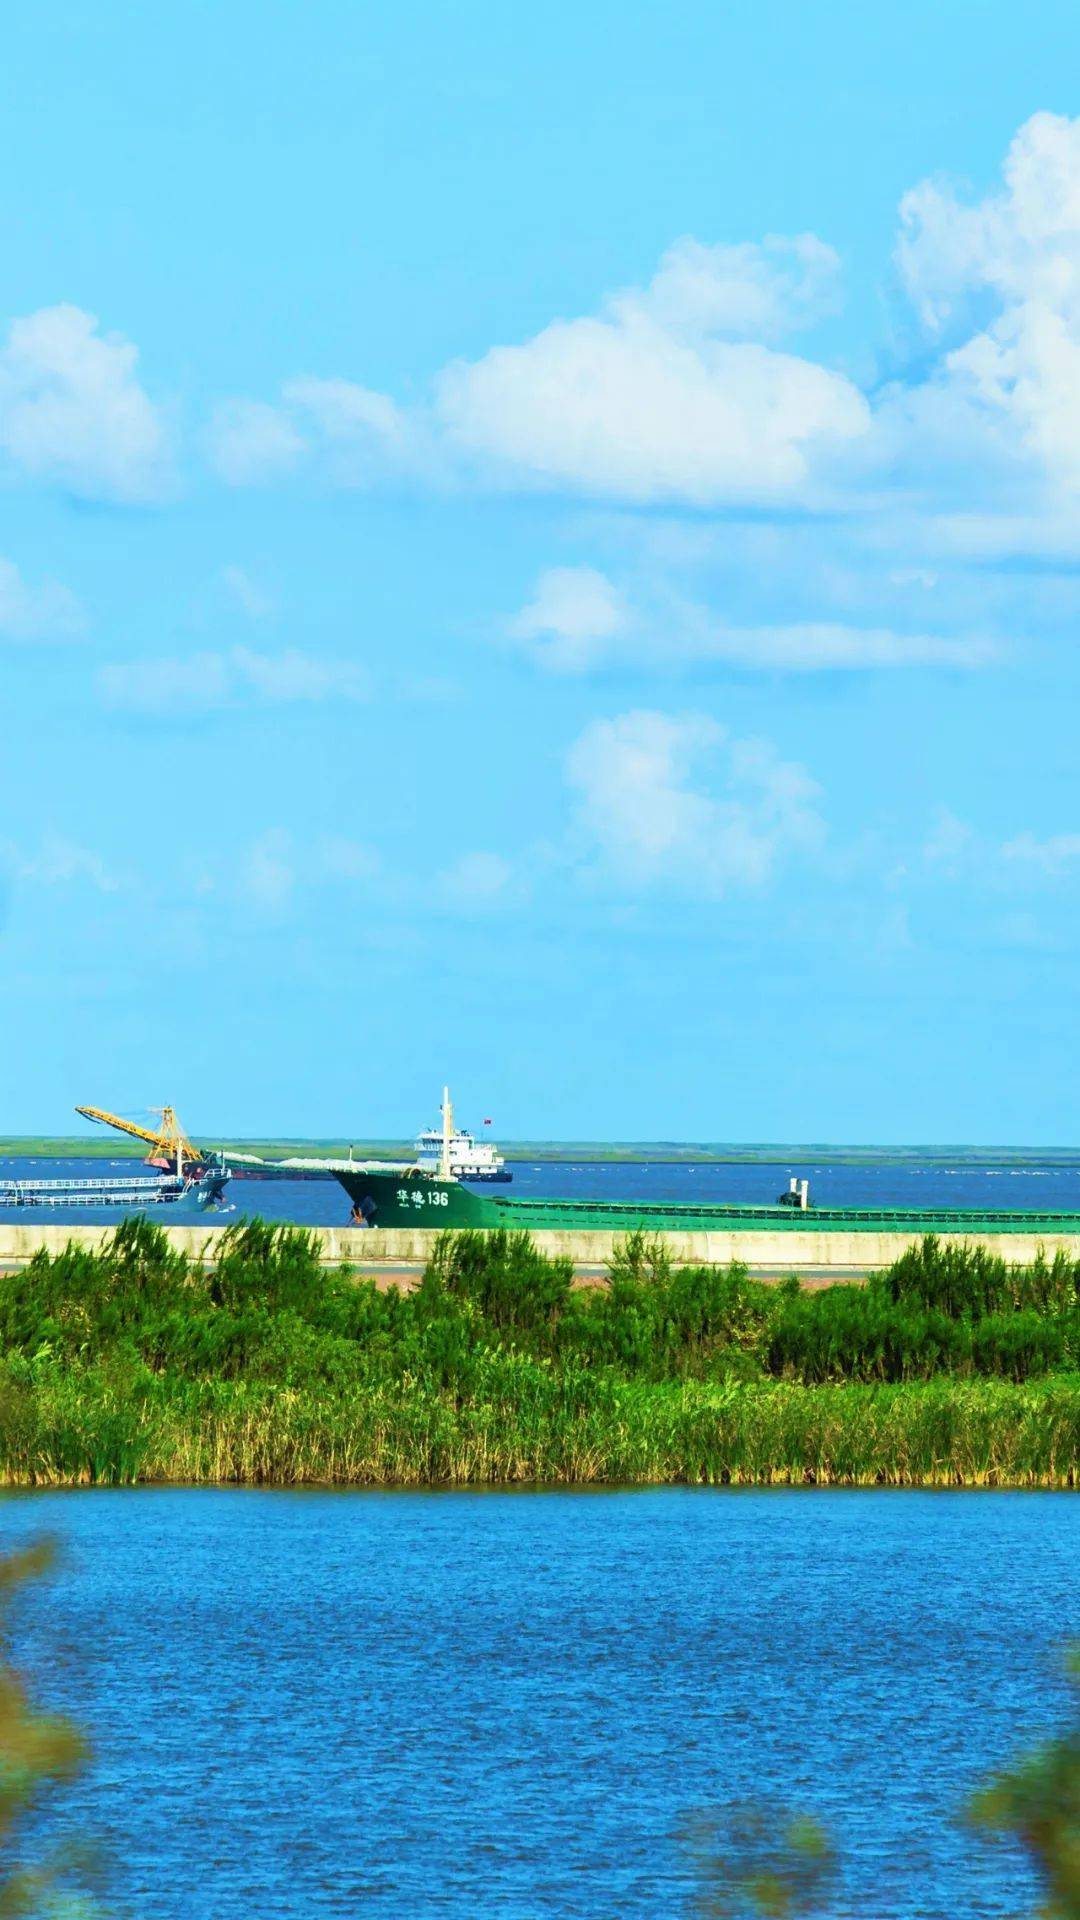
(86, 1186)
(90, 1193)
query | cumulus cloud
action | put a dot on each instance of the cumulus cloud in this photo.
(267, 871)
(72, 410)
(574, 614)
(277, 871)
(997, 282)
(351, 417)
(45, 612)
(673, 391)
(339, 858)
(1058, 853)
(812, 646)
(59, 862)
(578, 620)
(277, 867)
(686, 390)
(296, 676)
(660, 396)
(355, 434)
(246, 593)
(250, 441)
(948, 843)
(748, 291)
(476, 881)
(673, 800)
(199, 683)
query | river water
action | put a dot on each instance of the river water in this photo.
(315, 1704)
(1049, 1186)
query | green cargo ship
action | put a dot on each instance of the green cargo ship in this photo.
(413, 1197)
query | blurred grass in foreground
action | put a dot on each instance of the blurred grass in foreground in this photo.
(755, 1861)
(39, 1753)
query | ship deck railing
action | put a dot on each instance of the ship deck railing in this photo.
(719, 1216)
(90, 1193)
(136, 1184)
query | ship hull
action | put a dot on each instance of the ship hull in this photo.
(411, 1199)
(415, 1200)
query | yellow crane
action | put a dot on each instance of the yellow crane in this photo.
(169, 1140)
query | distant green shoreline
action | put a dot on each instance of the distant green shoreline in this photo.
(100, 1146)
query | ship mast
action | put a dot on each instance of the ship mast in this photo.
(445, 1172)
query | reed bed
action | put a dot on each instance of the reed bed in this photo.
(132, 1365)
(945, 1434)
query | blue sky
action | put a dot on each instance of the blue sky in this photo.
(541, 551)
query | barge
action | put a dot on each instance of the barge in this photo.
(134, 1193)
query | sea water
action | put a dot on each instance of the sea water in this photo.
(519, 1704)
(1046, 1187)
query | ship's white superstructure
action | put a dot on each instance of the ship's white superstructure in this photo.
(452, 1153)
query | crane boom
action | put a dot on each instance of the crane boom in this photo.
(169, 1139)
(122, 1126)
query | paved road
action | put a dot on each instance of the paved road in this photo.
(406, 1274)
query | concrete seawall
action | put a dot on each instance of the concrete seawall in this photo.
(788, 1250)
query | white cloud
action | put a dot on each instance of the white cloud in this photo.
(181, 684)
(268, 871)
(578, 620)
(45, 612)
(199, 683)
(295, 676)
(279, 870)
(574, 612)
(278, 866)
(742, 292)
(815, 645)
(340, 858)
(659, 397)
(248, 595)
(671, 392)
(647, 819)
(953, 847)
(1010, 376)
(1030, 933)
(477, 881)
(948, 841)
(250, 441)
(1054, 855)
(680, 391)
(72, 410)
(59, 862)
(365, 428)
(355, 434)
(1020, 242)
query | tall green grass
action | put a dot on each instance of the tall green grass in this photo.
(132, 1364)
